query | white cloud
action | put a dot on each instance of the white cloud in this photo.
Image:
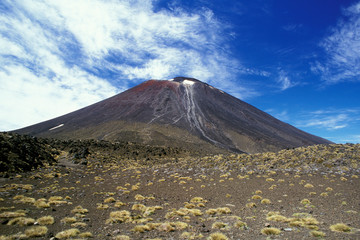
(342, 49)
(284, 80)
(36, 81)
(158, 44)
(330, 122)
(27, 98)
(57, 56)
(330, 119)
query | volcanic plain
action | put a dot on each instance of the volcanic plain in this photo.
(92, 192)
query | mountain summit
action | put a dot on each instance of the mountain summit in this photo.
(181, 112)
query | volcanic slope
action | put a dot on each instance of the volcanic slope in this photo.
(182, 112)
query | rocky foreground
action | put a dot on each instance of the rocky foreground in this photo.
(90, 191)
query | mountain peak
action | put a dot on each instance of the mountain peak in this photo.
(181, 112)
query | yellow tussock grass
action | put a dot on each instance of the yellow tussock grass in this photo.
(340, 227)
(46, 220)
(37, 231)
(21, 221)
(270, 231)
(217, 236)
(69, 233)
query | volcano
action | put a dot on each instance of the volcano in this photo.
(182, 112)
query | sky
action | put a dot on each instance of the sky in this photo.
(296, 60)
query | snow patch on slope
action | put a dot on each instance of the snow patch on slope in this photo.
(188, 82)
(59, 126)
(193, 113)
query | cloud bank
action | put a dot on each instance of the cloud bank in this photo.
(57, 56)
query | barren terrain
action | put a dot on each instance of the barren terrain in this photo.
(304, 193)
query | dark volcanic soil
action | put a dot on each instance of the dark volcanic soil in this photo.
(186, 198)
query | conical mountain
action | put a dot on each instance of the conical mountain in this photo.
(183, 112)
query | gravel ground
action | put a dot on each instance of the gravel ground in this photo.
(179, 199)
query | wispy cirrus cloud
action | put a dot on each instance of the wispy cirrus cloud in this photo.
(330, 119)
(329, 122)
(57, 56)
(342, 49)
(350, 139)
(137, 42)
(284, 80)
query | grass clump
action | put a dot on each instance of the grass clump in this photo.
(265, 201)
(109, 200)
(139, 197)
(118, 204)
(56, 200)
(184, 212)
(190, 205)
(85, 235)
(121, 237)
(324, 194)
(224, 210)
(187, 235)
(119, 217)
(41, 203)
(37, 231)
(198, 200)
(221, 210)
(46, 220)
(23, 199)
(101, 206)
(147, 211)
(79, 209)
(340, 227)
(270, 231)
(277, 218)
(255, 197)
(12, 214)
(141, 228)
(217, 236)
(310, 221)
(219, 225)
(21, 221)
(250, 205)
(72, 232)
(138, 207)
(317, 233)
(78, 225)
(240, 224)
(305, 201)
(180, 225)
(68, 220)
(166, 227)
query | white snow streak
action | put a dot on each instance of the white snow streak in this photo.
(59, 126)
(190, 106)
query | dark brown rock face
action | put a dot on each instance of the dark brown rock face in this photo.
(183, 112)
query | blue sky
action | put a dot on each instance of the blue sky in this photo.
(297, 60)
